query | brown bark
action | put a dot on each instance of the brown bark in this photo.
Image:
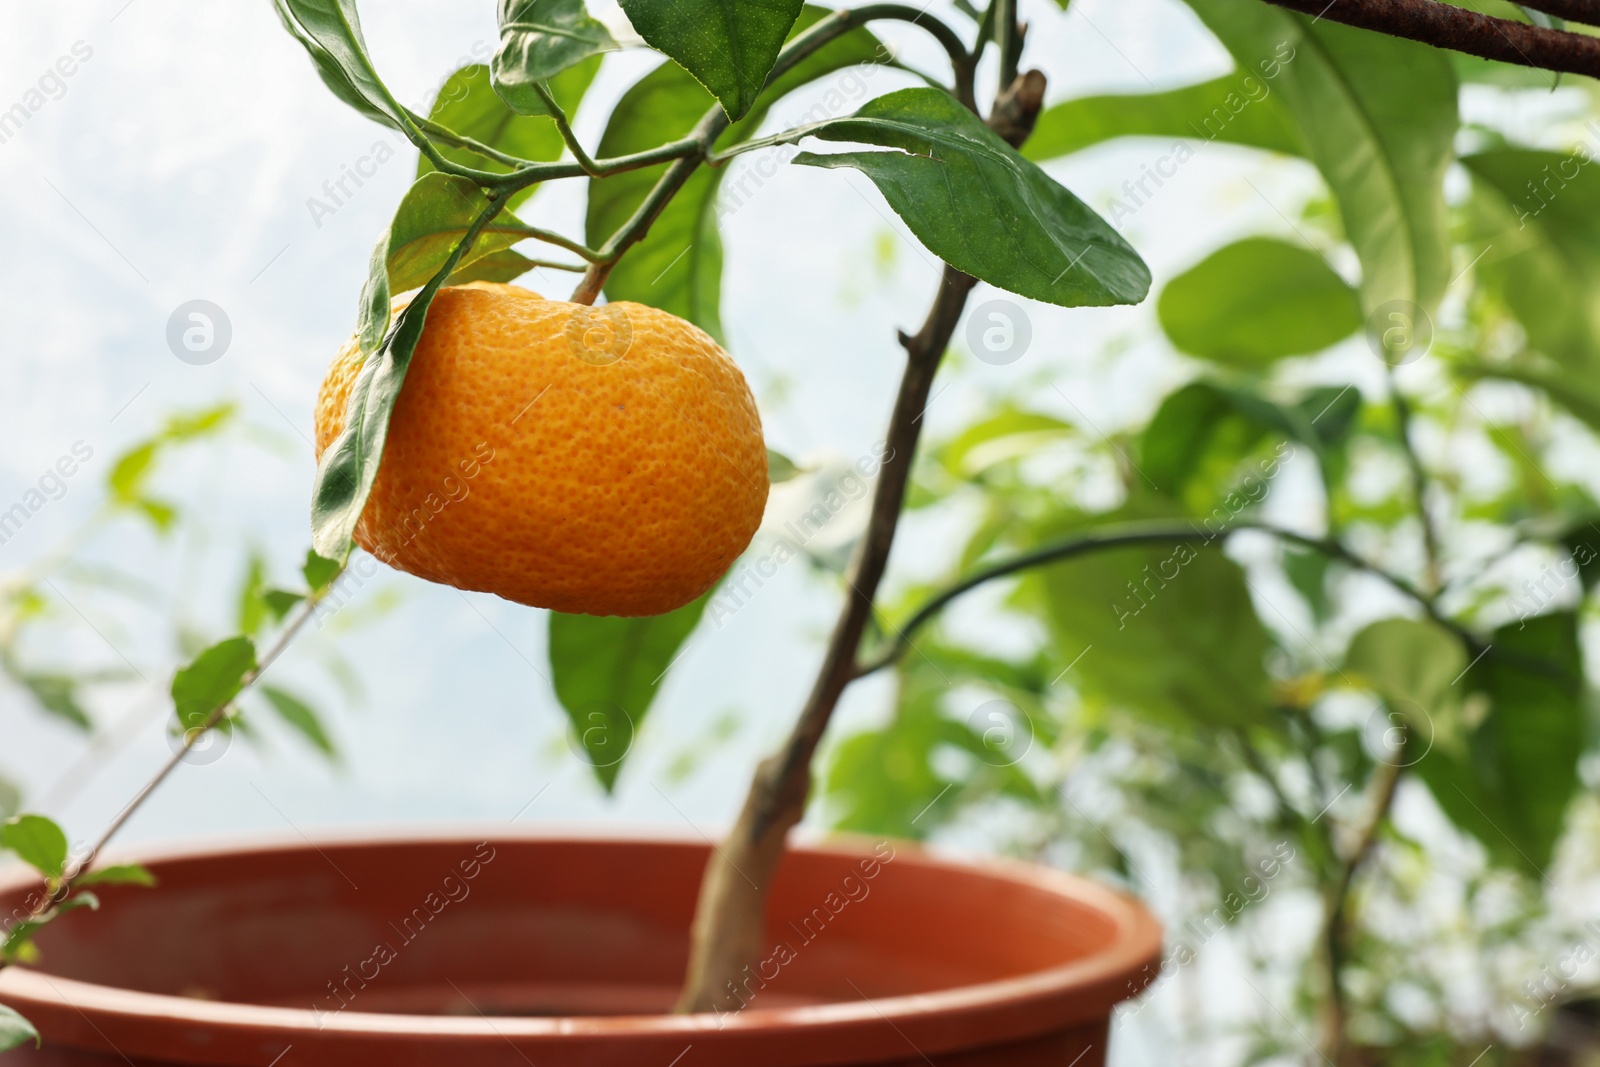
(1447, 26)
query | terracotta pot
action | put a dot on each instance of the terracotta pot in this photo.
(563, 952)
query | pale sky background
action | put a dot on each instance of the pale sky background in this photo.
(177, 165)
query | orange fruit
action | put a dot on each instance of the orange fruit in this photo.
(602, 461)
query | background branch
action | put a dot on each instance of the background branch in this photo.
(1446, 26)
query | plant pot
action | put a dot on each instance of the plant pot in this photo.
(503, 951)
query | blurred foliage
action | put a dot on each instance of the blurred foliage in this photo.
(1215, 701)
(61, 580)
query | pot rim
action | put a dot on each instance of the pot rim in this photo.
(1068, 993)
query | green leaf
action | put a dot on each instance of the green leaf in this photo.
(892, 780)
(1257, 301)
(212, 680)
(1408, 661)
(1166, 632)
(58, 694)
(319, 572)
(250, 613)
(677, 267)
(130, 472)
(331, 32)
(119, 874)
(38, 841)
(1507, 779)
(434, 216)
(1010, 433)
(279, 602)
(15, 1030)
(540, 39)
(728, 45)
(780, 468)
(1308, 571)
(1542, 232)
(1226, 109)
(980, 206)
(1377, 116)
(10, 798)
(1205, 430)
(607, 671)
(505, 266)
(1582, 539)
(349, 465)
(298, 714)
(1533, 214)
(162, 516)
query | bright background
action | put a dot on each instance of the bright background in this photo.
(179, 163)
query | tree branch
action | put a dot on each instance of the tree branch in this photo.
(1446, 26)
(1124, 535)
(730, 916)
(1587, 11)
(1334, 1017)
(63, 889)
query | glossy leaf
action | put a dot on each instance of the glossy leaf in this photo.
(1257, 301)
(1166, 632)
(1377, 116)
(119, 874)
(729, 46)
(504, 266)
(607, 671)
(677, 267)
(1507, 779)
(539, 40)
(347, 468)
(15, 1030)
(980, 206)
(431, 221)
(331, 32)
(212, 680)
(300, 715)
(37, 841)
(1229, 110)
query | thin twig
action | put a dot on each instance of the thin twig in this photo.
(191, 737)
(1123, 535)
(563, 127)
(1419, 486)
(1333, 1023)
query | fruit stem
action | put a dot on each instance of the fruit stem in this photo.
(730, 919)
(697, 147)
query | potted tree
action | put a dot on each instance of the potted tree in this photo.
(606, 462)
